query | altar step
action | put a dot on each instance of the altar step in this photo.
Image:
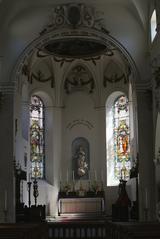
(100, 229)
(81, 217)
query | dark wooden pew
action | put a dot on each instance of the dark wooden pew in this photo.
(23, 231)
(133, 230)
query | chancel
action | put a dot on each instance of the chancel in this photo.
(80, 119)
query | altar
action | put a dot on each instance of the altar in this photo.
(81, 205)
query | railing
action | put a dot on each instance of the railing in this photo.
(77, 230)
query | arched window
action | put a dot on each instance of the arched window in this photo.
(37, 141)
(153, 23)
(118, 140)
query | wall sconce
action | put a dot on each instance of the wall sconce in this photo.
(157, 157)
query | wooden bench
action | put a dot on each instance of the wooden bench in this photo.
(23, 231)
(133, 230)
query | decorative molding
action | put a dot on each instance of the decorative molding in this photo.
(114, 79)
(115, 73)
(38, 77)
(79, 79)
(143, 86)
(7, 88)
(73, 15)
(111, 43)
(80, 122)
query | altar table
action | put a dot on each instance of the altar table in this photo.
(81, 205)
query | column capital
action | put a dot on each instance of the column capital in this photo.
(7, 87)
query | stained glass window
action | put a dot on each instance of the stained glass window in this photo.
(37, 142)
(121, 134)
(153, 23)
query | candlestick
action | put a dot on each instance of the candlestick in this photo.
(29, 194)
(35, 191)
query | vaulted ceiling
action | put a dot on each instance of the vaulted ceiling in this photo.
(22, 21)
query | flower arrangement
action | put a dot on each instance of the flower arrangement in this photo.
(96, 187)
(67, 187)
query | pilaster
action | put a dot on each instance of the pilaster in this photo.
(7, 189)
(145, 142)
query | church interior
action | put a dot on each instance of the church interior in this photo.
(80, 119)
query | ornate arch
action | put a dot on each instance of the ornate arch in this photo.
(86, 31)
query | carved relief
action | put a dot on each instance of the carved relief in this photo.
(79, 79)
(76, 122)
(114, 74)
(39, 74)
(73, 15)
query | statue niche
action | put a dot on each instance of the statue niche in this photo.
(80, 158)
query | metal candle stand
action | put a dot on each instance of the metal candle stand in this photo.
(29, 194)
(35, 191)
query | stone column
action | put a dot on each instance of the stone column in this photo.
(146, 164)
(7, 188)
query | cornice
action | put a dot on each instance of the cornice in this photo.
(7, 88)
(143, 86)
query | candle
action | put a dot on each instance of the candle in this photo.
(146, 198)
(73, 175)
(5, 200)
(95, 175)
(67, 176)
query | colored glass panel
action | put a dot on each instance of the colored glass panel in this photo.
(121, 133)
(37, 145)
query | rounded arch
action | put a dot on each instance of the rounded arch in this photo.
(44, 95)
